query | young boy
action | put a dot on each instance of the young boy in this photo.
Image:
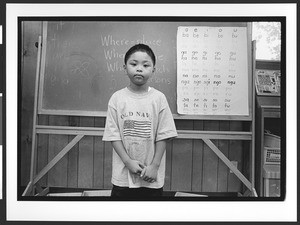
(138, 124)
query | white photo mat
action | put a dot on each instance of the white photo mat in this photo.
(176, 211)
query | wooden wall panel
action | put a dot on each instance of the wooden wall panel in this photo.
(210, 162)
(98, 157)
(98, 160)
(235, 154)
(181, 178)
(246, 161)
(86, 154)
(197, 170)
(197, 163)
(107, 165)
(73, 157)
(168, 175)
(57, 176)
(42, 150)
(181, 175)
(222, 168)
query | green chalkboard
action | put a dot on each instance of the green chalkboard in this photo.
(82, 62)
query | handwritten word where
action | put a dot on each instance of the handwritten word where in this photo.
(109, 40)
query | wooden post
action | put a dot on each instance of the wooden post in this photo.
(35, 115)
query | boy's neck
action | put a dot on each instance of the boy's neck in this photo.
(138, 89)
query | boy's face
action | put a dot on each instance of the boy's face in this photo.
(139, 68)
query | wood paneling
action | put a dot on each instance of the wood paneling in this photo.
(42, 150)
(107, 165)
(86, 153)
(222, 168)
(235, 154)
(98, 157)
(210, 162)
(181, 178)
(57, 176)
(168, 175)
(73, 158)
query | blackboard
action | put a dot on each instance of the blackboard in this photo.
(82, 62)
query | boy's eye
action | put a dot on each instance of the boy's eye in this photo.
(133, 64)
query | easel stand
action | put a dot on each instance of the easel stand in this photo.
(33, 188)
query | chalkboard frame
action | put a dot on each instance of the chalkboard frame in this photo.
(175, 115)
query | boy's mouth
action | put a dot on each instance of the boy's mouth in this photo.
(138, 76)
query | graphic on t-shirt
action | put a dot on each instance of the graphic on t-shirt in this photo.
(135, 128)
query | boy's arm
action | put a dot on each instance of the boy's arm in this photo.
(150, 172)
(160, 148)
(133, 166)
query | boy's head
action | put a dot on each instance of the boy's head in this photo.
(140, 48)
(139, 65)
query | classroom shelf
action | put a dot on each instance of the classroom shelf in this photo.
(267, 118)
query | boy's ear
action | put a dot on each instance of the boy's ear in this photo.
(124, 67)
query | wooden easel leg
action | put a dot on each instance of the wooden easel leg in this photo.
(242, 178)
(58, 157)
(52, 163)
(28, 189)
(44, 192)
(247, 193)
(40, 190)
(254, 194)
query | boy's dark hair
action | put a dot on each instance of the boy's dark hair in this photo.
(140, 48)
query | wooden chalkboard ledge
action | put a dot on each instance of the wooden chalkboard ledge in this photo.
(220, 135)
(67, 130)
(212, 117)
(182, 134)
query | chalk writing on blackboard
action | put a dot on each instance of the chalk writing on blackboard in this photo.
(113, 51)
(83, 63)
(212, 71)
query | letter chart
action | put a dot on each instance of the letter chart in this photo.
(212, 71)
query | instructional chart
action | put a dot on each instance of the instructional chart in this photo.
(212, 71)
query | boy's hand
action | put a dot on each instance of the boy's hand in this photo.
(134, 166)
(149, 173)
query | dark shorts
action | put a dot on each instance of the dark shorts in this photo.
(136, 193)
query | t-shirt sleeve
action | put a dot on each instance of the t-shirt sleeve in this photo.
(166, 126)
(111, 131)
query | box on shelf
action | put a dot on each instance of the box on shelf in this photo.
(271, 140)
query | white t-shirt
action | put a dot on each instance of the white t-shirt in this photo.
(138, 120)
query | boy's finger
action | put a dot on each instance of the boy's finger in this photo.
(133, 178)
(141, 165)
(143, 172)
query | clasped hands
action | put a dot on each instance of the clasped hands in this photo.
(147, 173)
